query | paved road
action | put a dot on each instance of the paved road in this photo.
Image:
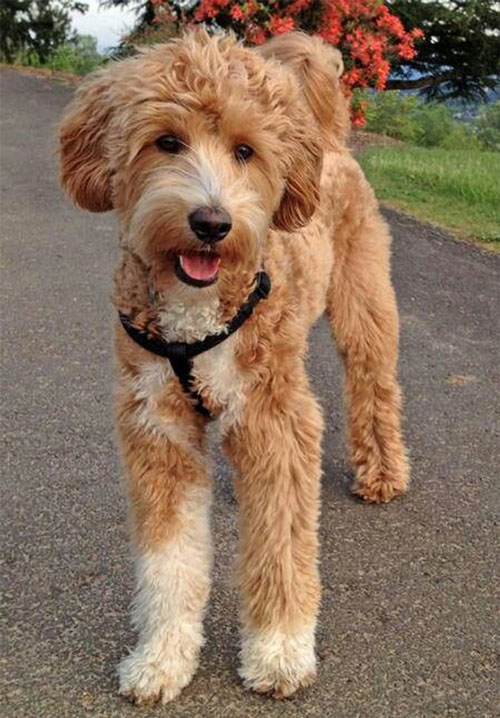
(409, 620)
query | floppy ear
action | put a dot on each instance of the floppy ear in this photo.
(318, 67)
(84, 168)
(301, 196)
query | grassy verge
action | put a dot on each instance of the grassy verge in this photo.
(455, 189)
(78, 56)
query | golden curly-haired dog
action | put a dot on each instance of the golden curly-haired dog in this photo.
(223, 162)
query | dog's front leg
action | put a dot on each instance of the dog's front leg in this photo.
(276, 450)
(169, 494)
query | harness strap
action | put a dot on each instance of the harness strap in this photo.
(181, 354)
(183, 369)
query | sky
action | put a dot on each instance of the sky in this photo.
(107, 25)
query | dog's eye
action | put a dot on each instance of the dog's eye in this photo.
(243, 152)
(169, 143)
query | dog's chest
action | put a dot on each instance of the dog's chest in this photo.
(215, 373)
(182, 321)
(216, 377)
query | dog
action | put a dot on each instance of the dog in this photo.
(243, 218)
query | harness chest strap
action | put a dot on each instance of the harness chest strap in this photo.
(181, 354)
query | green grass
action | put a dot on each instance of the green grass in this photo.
(456, 189)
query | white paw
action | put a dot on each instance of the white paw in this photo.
(278, 662)
(145, 680)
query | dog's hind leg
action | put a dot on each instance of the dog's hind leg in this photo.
(170, 495)
(276, 449)
(364, 320)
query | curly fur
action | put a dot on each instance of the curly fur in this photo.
(302, 209)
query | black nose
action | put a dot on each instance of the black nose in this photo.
(210, 225)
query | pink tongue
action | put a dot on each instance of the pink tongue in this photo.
(200, 265)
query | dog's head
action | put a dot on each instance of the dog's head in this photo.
(202, 145)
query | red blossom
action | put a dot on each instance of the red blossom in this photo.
(281, 25)
(252, 6)
(358, 118)
(366, 32)
(237, 13)
(257, 36)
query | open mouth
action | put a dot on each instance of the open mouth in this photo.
(198, 269)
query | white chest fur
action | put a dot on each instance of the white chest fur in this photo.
(189, 318)
(216, 373)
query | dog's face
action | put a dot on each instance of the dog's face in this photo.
(201, 146)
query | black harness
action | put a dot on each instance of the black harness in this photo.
(181, 354)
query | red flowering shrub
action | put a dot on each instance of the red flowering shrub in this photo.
(365, 31)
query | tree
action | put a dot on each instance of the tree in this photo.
(79, 55)
(143, 9)
(35, 26)
(459, 56)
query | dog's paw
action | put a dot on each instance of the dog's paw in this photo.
(146, 681)
(381, 489)
(278, 663)
(278, 685)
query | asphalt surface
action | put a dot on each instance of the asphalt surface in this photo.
(409, 624)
